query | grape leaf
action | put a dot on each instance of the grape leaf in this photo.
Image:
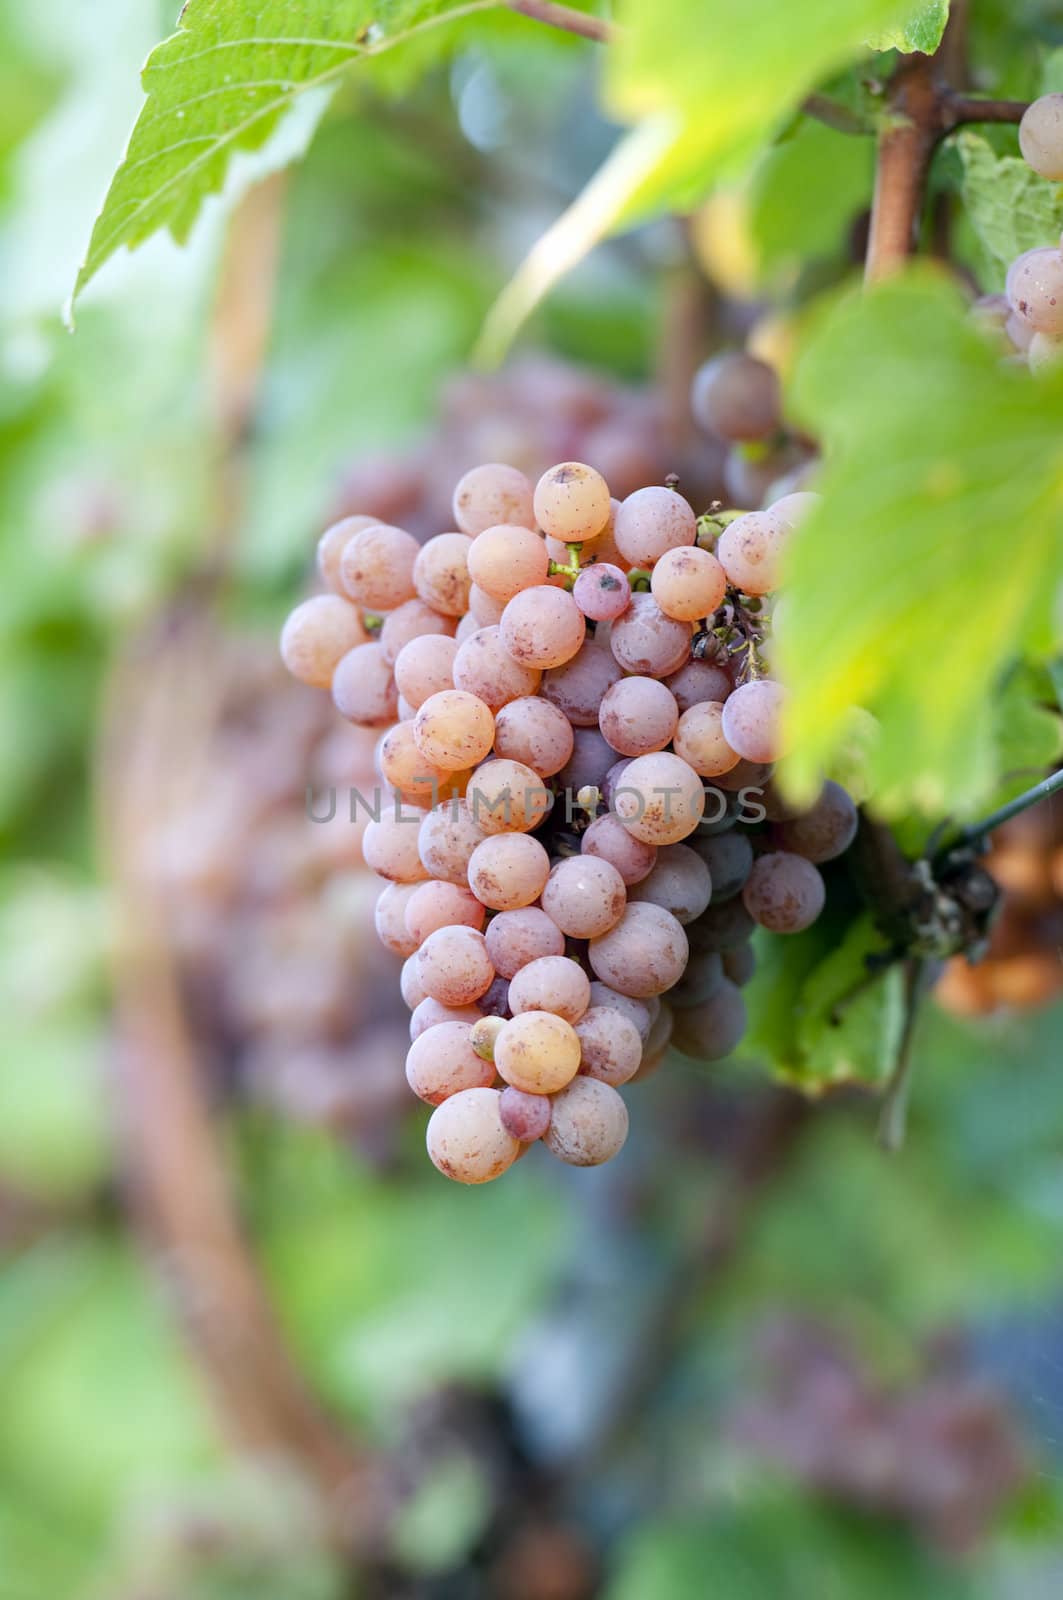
(221, 84)
(706, 84)
(922, 30)
(934, 558)
(1009, 207)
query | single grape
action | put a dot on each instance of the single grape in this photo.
(552, 983)
(485, 611)
(591, 759)
(638, 715)
(645, 641)
(1041, 136)
(1035, 289)
(542, 627)
(608, 838)
(454, 730)
(737, 398)
(751, 551)
(363, 687)
(825, 831)
(722, 927)
(652, 521)
(688, 583)
(443, 1062)
(729, 858)
(494, 1002)
(331, 545)
(535, 732)
(750, 775)
(740, 964)
(389, 917)
(484, 667)
(714, 1029)
(412, 776)
(793, 509)
(643, 955)
(661, 799)
(577, 687)
(466, 1140)
(453, 965)
(316, 637)
(700, 741)
(424, 667)
(507, 796)
(413, 620)
(389, 845)
(638, 1012)
(610, 1045)
(506, 559)
(376, 567)
(588, 1123)
(699, 982)
(585, 896)
(751, 720)
(482, 1034)
(492, 495)
(447, 837)
(508, 871)
(441, 573)
(515, 938)
(525, 1116)
(429, 1013)
(572, 502)
(698, 681)
(679, 882)
(602, 591)
(784, 892)
(438, 904)
(537, 1052)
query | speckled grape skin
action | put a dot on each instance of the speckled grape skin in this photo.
(710, 1031)
(608, 838)
(424, 667)
(639, 1012)
(507, 872)
(651, 521)
(542, 627)
(699, 681)
(492, 494)
(466, 1140)
(644, 640)
(454, 967)
(516, 937)
(376, 567)
(644, 955)
(485, 668)
(585, 896)
(525, 1116)
(784, 893)
(638, 715)
(317, 636)
(752, 719)
(536, 732)
(588, 1123)
(610, 1044)
(441, 573)
(537, 1052)
(442, 1062)
(660, 799)
(552, 983)
(577, 687)
(446, 840)
(680, 882)
(363, 687)
(429, 1013)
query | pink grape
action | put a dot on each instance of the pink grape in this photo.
(542, 627)
(577, 687)
(466, 1140)
(751, 550)
(1041, 136)
(514, 938)
(585, 896)
(534, 731)
(331, 545)
(437, 904)
(506, 559)
(508, 871)
(419, 781)
(588, 1123)
(485, 668)
(389, 845)
(638, 715)
(447, 837)
(643, 955)
(610, 1045)
(316, 637)
(389, 917)
(751, 720)
(740, 964)
(525, 1116)
(699, 739)
(1035, 289)
(572, 502)
(429, 1013)
(661, 799)
(793, 509)
(454, 730)
(688, 583)
(590, 761)
(376, 567)
(453, 965)
(602, 591)
(410, 984)
(826, 830)
(638, 1012)
(644, 640)
(537, 1052)
(552, 983)
(485, 611)
(441, 573)
(784, 893)
(424, 667)
(680, 882)
(736, 397)
(710, 1031)
(729, 858)
(363, 687)
(442, 1062)
(651, 521)
(608, 838)
(412, 620)
(507, 796)
(488, 496)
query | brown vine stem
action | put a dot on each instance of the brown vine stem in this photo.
(566, 18)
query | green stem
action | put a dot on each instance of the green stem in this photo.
(977, 832)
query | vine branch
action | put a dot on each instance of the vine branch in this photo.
(567, 18)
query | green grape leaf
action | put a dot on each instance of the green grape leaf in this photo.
(1009, 207)
(222, 84)
(922, 30)
(706, 84)
(803, 195)
(934, 558)
(1028, 731)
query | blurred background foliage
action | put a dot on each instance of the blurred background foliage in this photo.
(584, 1388)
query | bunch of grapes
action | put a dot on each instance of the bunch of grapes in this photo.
(1029, 314)
(575, 722)
(1022, 968)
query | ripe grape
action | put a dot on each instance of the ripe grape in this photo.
(644, 640)
(508, 871)
(588, 1123)
(661, 799)
(363, 687)
(680, 882)
(412, 776)
(699, 739)
(793, 509)
(750, 775)
(453, 965)
(591, 759)
(643, 955)
(429, 1013)
(507, 796)
(542, 627)
(491, 495)
(784, 893)
(484, 667)
(638, 1012)
(651, 521)
(608, 838)
(688, 583)
(698, 681)
(485, 611)
(537, 1052)
(551, 983)
(389, 845)
(454, 730)
(750, 551)
(438, 904)
(1035, 289)
(714, 1029)
(737, 397)
(316, 637)
(413, 620)
(447, 837)
(482, 1035)
(466, 1140)
(723, 926)
(610, 1045)
(729, 858)
(494, 1002)
(514, 938)
(638, 715)
(602, 591)
(442, 1062)
(826, 830)
(534, 731)
(331, 545)
(1041, 136)
(585, 896)
(751, 720)
(410, 984)
(572, 502)
(525, 1116)
(424, 667)
(702, 978)
(376, 567)
(441, 573)
(577, 687)
(740, 963)
(389, 917)
(506, 559)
